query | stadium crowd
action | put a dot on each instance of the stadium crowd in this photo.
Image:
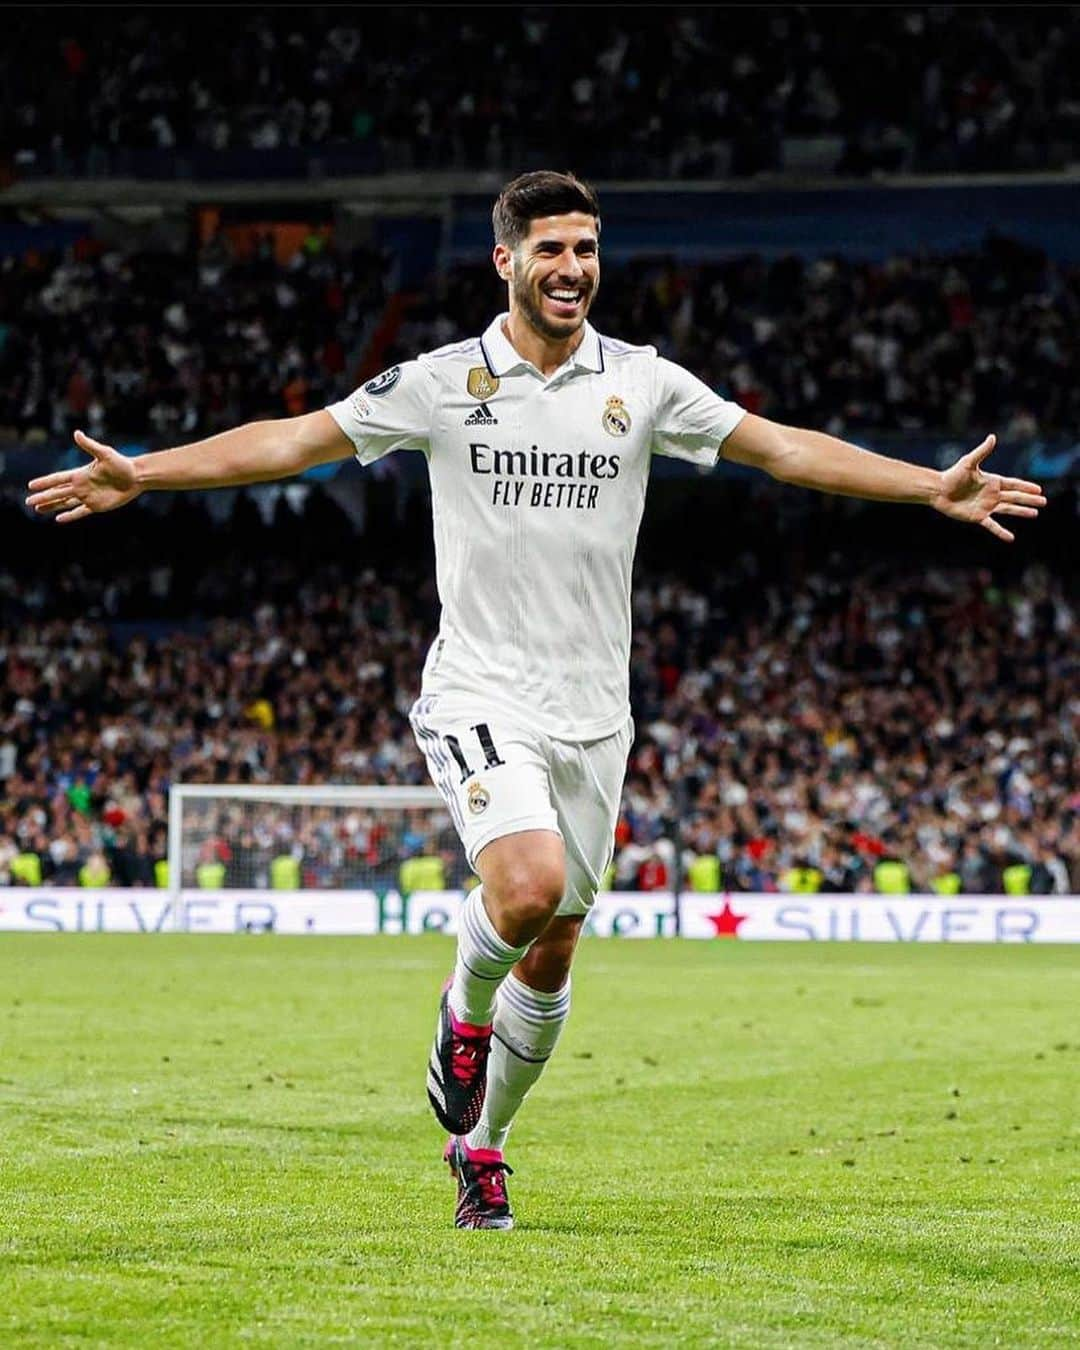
(683, 91)
(175, 346)
(178, 345)
(959, 343)
(796, 730)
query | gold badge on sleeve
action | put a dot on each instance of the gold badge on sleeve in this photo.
(481, 383)
(616, 419)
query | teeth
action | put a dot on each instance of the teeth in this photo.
(563, 295)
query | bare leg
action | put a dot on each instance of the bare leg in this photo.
(523, 876)
(546, 965)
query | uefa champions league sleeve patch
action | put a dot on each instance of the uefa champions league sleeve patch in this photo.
(382, 384)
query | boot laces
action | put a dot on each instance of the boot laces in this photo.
(468, 1055)
(489, 1179)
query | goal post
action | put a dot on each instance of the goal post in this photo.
(299, 839)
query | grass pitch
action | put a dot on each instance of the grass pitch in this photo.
(224, 1141)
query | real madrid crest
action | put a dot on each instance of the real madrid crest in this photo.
(616, 419)
(481, 383)
(479, 798)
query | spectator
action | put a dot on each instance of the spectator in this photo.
(921, 720)
(676, 91)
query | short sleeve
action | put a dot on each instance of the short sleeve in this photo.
(690, 422)
(391, 412)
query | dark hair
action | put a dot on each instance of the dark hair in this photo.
(542, 193)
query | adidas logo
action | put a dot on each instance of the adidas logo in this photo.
(481, 417)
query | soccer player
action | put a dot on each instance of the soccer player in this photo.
(538, 436)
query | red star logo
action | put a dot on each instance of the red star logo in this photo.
(727, 921)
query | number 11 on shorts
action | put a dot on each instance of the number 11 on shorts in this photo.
(487, 745)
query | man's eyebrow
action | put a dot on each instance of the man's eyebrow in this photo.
(558, 243)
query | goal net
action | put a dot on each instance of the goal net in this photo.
(302, 839)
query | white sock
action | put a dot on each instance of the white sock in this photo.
(483, 962)
(527, 1026)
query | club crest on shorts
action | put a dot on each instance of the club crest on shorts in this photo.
(616, 419)
(382, 384)
(481, 383)
(479, 798)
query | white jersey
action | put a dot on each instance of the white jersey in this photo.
(537, 489)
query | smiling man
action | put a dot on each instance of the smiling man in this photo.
(539, 436)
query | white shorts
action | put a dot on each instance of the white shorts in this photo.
(498, 777)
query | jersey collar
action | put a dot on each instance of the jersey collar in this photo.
(502, 358)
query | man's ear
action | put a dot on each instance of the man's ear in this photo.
(503, 260)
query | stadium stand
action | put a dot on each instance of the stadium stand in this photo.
(801, 722)
(176, 346)
(833, 710)
(680, 91)
(955, 343)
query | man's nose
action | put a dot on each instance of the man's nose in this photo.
(570, 266)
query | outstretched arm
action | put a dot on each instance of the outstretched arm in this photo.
(255, 453)
(812, 459)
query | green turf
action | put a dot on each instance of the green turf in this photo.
(224, 1141)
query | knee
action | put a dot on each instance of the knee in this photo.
(524, 877)
(523, 899)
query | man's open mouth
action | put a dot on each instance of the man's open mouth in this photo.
(565, 300)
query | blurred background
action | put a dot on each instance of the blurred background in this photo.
(862, 220)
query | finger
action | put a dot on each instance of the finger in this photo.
(68, 504)
(1007, 509)
(50, 480)
(981, 451)
(1020, 485)
(95, 448)
(999, 531)
(77, 514)
(54, 495)
(1024, 498)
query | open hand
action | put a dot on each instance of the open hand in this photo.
(969, 494)
(107, 482)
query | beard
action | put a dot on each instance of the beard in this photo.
(558, 330)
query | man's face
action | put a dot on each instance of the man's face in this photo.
(553, 273)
